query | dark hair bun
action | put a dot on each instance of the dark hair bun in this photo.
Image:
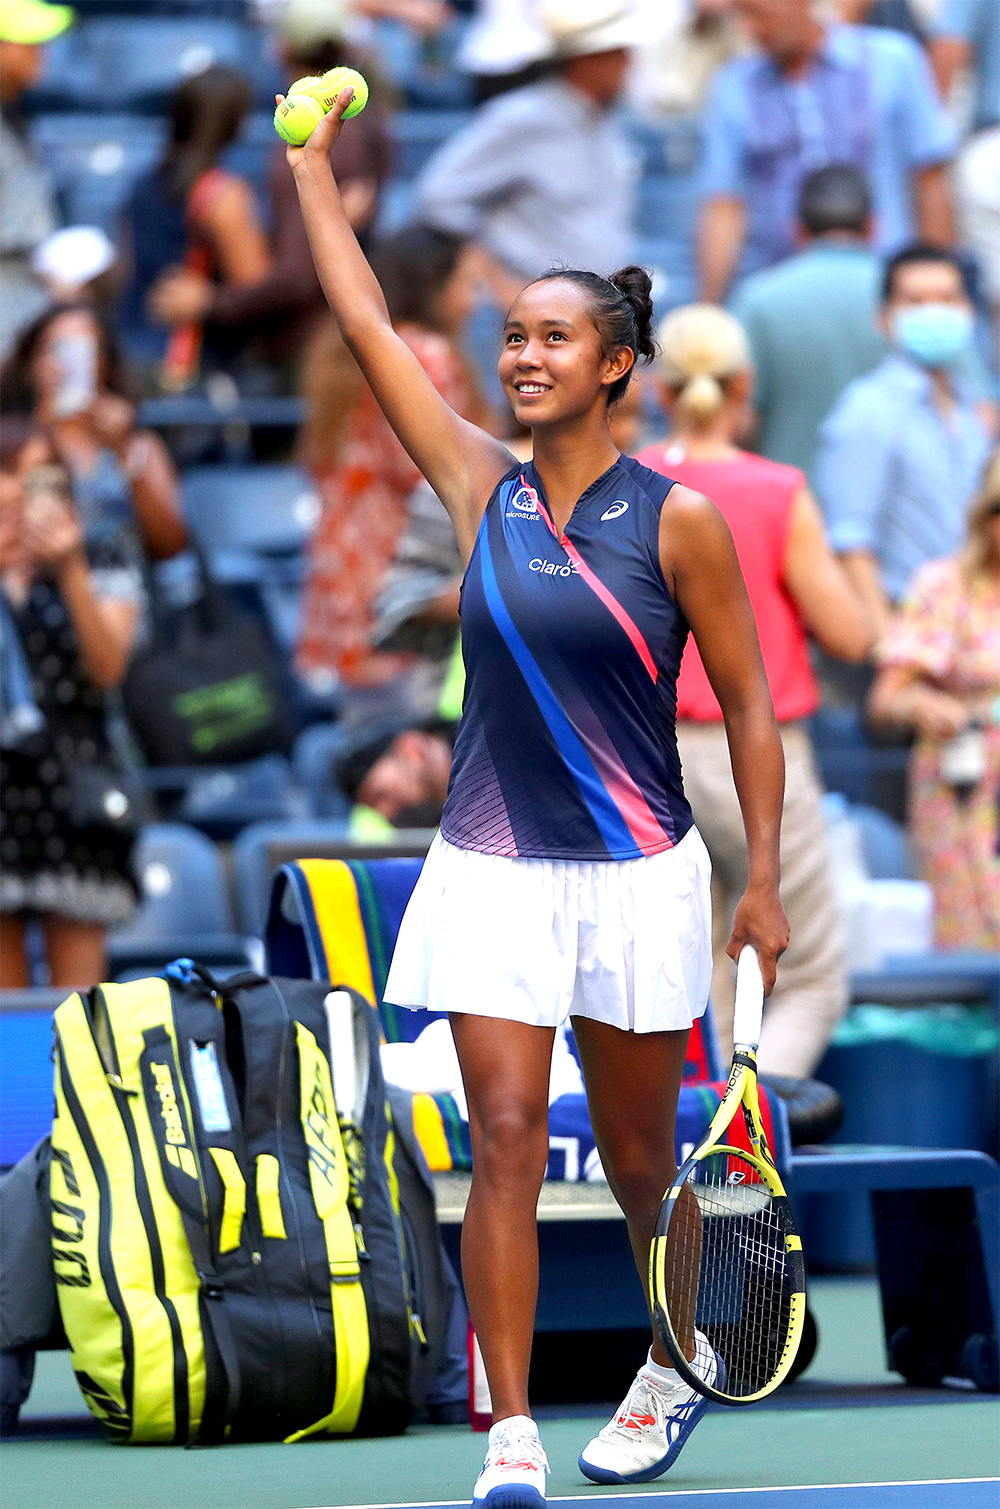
(635, 284)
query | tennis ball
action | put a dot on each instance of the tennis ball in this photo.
(337, 79)
(306, 85)
(297, 117)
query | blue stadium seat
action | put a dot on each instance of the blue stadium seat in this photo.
(185, 910)
(95, 159)
(315, 750)
(419, 133)
(183, 885)
(222, 802)
(884, 841)
(257, 509)
(137, 59)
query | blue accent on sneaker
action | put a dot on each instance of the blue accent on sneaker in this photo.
(688, 1421)
(511, 1496)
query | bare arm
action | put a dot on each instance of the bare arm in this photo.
(903, 697)
(105, 628)
(721, 230)
(934, 210)
(833, 610)
(154, 496)
(235, 230)
(949, 56)
(863, 574)
(460, 461)
(700, 566)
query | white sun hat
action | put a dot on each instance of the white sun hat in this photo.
(579, 28)
(70, 258)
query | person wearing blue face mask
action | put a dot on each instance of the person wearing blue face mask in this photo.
(902, 450)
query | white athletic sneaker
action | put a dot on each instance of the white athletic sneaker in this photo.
(655, 1419)
(513, 1475)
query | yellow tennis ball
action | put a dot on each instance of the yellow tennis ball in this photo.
(306, 85)
(297, 117)
(337, 79)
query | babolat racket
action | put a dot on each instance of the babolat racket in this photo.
(726, 1260)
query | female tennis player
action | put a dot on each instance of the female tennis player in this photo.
(568, 878)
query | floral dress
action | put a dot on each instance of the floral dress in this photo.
(950, 632)
(364, 508)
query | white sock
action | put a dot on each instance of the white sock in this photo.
(665, 1377)
(523, 1422)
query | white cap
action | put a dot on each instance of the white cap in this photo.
(579, 28)
(306, 23)
(72, 257)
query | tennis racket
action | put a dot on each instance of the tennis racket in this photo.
(726, 1272)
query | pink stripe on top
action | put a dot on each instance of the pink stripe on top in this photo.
(612, 604)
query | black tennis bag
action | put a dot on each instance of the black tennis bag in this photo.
(226, 1232)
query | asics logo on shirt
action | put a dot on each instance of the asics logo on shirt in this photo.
(618, 507)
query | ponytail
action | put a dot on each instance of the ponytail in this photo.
(702, 396)
(701, 348)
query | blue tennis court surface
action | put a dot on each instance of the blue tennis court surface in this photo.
(949, 1493)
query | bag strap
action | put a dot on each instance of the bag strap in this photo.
(330, 1183)
(184, 1178)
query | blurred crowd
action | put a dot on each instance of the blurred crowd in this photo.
(816, 187)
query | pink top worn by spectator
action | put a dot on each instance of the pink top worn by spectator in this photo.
(755, 497)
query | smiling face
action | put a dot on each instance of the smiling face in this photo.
(553, 366)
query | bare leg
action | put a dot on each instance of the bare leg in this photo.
(13, 964)
(76, 952)
(505, 1068)
(633, 1081)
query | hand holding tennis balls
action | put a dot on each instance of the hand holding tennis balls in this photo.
(310, 99)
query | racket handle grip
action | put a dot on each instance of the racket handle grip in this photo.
(749, 1011)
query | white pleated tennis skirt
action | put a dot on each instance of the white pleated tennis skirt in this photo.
(627, 942)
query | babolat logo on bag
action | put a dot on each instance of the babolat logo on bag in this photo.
(169, 1121)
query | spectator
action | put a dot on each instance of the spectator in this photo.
(363, 475)
(66, 374)
(967, 40)
(940, 676)
(417, 610)
(901, 453)
(505, 47)
(65, 831)
(814, 94)
(685, 43)
(811, 319)
(77, 265)
(396, 776)
(27, 210)
(190, 211)
(284, 303)
(543, 175)
(967, 43)
(796, 587)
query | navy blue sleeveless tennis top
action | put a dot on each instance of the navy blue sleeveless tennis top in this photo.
(566, 748)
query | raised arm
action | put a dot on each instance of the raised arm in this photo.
(701, 568)
(460, 461)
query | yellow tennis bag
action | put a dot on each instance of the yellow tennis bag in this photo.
(226, 1232)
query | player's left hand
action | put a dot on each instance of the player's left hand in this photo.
(760, 920)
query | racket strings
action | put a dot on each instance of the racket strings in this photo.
(726, 1245)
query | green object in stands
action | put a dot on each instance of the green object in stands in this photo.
(961, 1031)
(453, 691)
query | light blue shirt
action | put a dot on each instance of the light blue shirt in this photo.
(867, 99)
(978, 23)
(894, 475)
(811, 325)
